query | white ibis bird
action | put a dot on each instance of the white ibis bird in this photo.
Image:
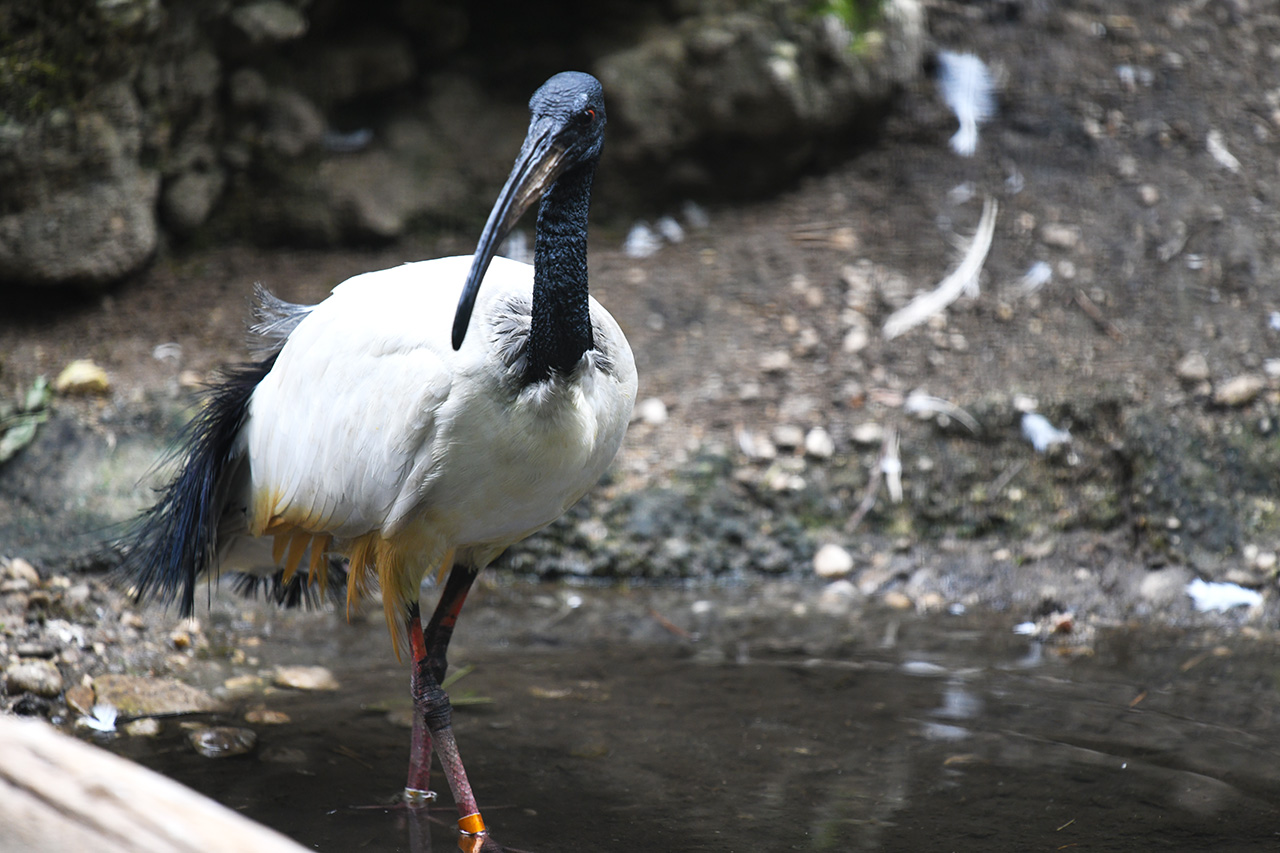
(386, 428)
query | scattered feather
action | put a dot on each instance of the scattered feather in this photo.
(1037, 276)
(963, 280)
(641, 241)
(669, 229)
(1042, 434)
(1218, 151)
(891, 467)
(1221, 596)
(102, 718)
(920, 403)
(967, 88)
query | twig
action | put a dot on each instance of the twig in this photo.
(1095, 313)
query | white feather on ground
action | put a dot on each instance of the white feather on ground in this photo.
(963, 280)
(967, 88)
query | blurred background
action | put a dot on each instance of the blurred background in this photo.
(1082, 429)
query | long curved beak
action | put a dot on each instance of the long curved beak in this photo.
(540, 163)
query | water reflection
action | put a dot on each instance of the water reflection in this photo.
(944, 733)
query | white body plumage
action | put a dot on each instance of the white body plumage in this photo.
(370, 427)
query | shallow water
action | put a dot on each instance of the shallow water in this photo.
(748, 720)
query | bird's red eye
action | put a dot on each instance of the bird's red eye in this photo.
(587, 116)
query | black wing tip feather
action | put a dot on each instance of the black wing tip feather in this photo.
(174, 542)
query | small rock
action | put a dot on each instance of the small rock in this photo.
(39, 677)
(897, 600)
(788, 436)
(819, 444)
(305, 678)
(266, 717)
(82, 377)
(80, 698)
(144, 727)
(269, 22)
(1193, 367)
(1163, 587)
(832, 561)
(243, 685)
(1240, 390)
(778, 361)
(868, 434)
(652, 411)
(1059, 236)
(837, 598)
(1148, 195)
(20, 569)
(222, 741)
(859, 334)
(141, 696)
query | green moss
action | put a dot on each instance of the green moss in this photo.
(53, 53)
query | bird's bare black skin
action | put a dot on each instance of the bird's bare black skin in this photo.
(556, 163)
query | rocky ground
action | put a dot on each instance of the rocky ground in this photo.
(1134, 155)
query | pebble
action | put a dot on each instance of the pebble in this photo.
(869, 434)
(222, 741)
(1193, 367)
(859, 334)
(652, 411)
(897, 600)
(819, 444)
(142, 696)
(788, 436)
(1163, 587)
(37, 676)
(832, 561)
(837, 598)
(1240, 390)
(1149, 195)
(20, 569)
(305, 678)
(266, 717)
(144, 727)
(1059, 236)
(82, 377)
(778, 361)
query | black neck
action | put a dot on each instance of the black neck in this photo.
(560, 330)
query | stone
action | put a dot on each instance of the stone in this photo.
(144, 727)
(1059, 236)
(1240, 390)
(189, 198)
(1193, 367)
(82, 377)
(142, 696)
(20, 569)
(819, 444)
(305, 678)
(832, 561)
(269, 22)
(222, 741)
(39, 677)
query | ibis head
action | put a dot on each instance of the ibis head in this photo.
(566, 131)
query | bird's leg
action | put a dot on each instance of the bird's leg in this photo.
(433, 703)
(417, 790)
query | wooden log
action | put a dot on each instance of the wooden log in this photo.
(60, 794)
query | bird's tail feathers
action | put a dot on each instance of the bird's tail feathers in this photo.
(176, 541)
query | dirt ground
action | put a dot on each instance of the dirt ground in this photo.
(1136, 152)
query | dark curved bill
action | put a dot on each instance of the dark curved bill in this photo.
(540, 162)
